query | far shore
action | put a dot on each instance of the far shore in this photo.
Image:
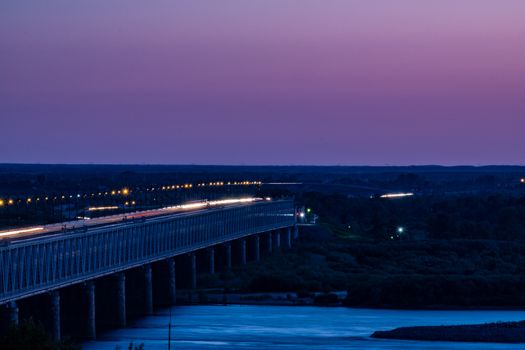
(219, 297)
(501, 332)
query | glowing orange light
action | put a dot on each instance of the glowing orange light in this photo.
(102, 208)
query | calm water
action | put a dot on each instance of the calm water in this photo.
(283, 327)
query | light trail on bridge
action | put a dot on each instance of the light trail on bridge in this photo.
(397, 195)
(28, 232)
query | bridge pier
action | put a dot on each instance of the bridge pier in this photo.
(228, 248)
(211, 252)
(55, 315)
(13, 313)
(243, 252)
(91, 331)
(288, 238)
(121, 299)
(172, 281)
(103, 301)
(148, 282)
(193, 272)
(257, 248)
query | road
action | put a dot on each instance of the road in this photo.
(37, 231)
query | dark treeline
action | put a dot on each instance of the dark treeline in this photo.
(493, 216)
(454, 252)
(404, 274)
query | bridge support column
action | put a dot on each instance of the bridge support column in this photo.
(91, 331)
(278, 240)
(121, 299)
(13, 312)
(270, 242)
(228, 248)
(172, 281)
(243, 252)
(193, 272)
(288, 238)
(148, 282)
(257, 248)
(55, 315)
(211, 252)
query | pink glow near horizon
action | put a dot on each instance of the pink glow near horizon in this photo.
(263, 82)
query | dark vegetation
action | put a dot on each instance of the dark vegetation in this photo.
(399, 274)
(482, 216)
(32, 336)
(29, 335)
(466, 251)
(502, 332)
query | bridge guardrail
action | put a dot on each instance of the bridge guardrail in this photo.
(28, 268)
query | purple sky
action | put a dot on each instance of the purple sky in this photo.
(263, 81)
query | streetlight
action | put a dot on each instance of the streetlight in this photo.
(400, 229)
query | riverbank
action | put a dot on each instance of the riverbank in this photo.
(337, 298)
(218, 297)
(500, 332)
(437, 274)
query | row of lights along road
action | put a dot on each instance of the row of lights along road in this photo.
(126, 191)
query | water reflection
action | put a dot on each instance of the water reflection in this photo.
(271, 327)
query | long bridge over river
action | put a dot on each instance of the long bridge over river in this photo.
(45, 268)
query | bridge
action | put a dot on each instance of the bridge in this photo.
(45, 262)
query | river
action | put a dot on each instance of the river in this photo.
(288, 327)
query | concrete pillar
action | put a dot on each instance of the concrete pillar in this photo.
(243, 252)
(278, 239)
(91, 331)
(296, 232)
(148, 296)
(13, 312)
(257, 248)
(193, 272)
(288, 238)
(172, 281)
(270, 242)
(211, 252)
(228, 248)
(55, 315)
(121, 299)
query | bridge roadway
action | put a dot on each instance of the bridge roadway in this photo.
(50, 258)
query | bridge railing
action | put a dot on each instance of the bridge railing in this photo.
(33, 267)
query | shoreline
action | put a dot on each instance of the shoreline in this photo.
(500, 332)
(215, 297)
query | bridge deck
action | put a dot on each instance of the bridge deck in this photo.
(33, 231)
(35, 265)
